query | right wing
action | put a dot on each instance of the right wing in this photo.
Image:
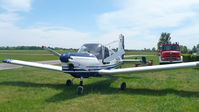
(33, 64)
(150, 68)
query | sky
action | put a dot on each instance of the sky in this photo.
(71, 23)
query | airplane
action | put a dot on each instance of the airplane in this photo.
(96, 60)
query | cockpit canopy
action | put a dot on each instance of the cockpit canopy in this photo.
(100, 51)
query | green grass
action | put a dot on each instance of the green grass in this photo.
(28, 55)
(39, 90)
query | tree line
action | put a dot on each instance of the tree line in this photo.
(32, 48)
(165, 38)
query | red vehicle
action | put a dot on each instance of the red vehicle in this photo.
(170, 53)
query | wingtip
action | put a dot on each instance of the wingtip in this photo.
(6, 60)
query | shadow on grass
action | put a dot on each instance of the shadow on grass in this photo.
(196, 68)
(100, 87)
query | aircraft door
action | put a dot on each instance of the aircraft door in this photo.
(105, 54)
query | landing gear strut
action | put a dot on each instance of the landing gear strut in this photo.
(123, 86)
(69, 82)
(80, 88)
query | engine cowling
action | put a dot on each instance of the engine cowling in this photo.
(66, 56)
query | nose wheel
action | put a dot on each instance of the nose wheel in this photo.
(69, 82)
(80, 88)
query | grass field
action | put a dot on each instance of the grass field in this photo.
(39, 90)
(28, 55)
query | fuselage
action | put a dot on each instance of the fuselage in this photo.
(88, 61)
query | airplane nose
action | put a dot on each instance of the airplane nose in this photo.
(64, 57)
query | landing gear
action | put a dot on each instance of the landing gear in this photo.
(123, 86)
(69, 83)
(80, 88)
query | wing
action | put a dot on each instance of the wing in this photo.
(33, 64)
(132, 60)
(151, 68)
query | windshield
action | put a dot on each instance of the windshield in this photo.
(95, 49)
(170, 47)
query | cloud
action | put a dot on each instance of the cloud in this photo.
(54, 36)
(15, 5)
(49, 36)
(145, 19)
(9, 18)
(188, 35)
(141, 21)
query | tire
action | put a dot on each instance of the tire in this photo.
(80, 90)
(69, 83)
(123, 86)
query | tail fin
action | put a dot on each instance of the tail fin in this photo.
(121, 44)
(119, 53)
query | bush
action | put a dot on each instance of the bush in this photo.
(186, 57)
(190, 57)
(195, 57)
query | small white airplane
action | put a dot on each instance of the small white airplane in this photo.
(96, 60)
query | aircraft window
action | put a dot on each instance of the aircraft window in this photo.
(170, 47)
(95, 49)
(106, 52)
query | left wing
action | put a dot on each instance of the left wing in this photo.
(151, 68)
(33, 64)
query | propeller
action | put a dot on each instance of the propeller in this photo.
(51, 51)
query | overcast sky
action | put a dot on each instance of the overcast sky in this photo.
(71, 23)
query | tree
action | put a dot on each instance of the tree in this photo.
(197, 45)
(183, 49)
(164, 39)
(153, 49)
(194, 49)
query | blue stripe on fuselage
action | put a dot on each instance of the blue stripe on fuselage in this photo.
(92, 68)
(65, 56)
(79, 54)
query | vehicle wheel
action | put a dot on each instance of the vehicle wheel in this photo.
(123, 86)
(80, 90)
(69, 82)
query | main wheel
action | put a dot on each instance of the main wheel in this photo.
(69, 82)
(123, 86)
(80, 90)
